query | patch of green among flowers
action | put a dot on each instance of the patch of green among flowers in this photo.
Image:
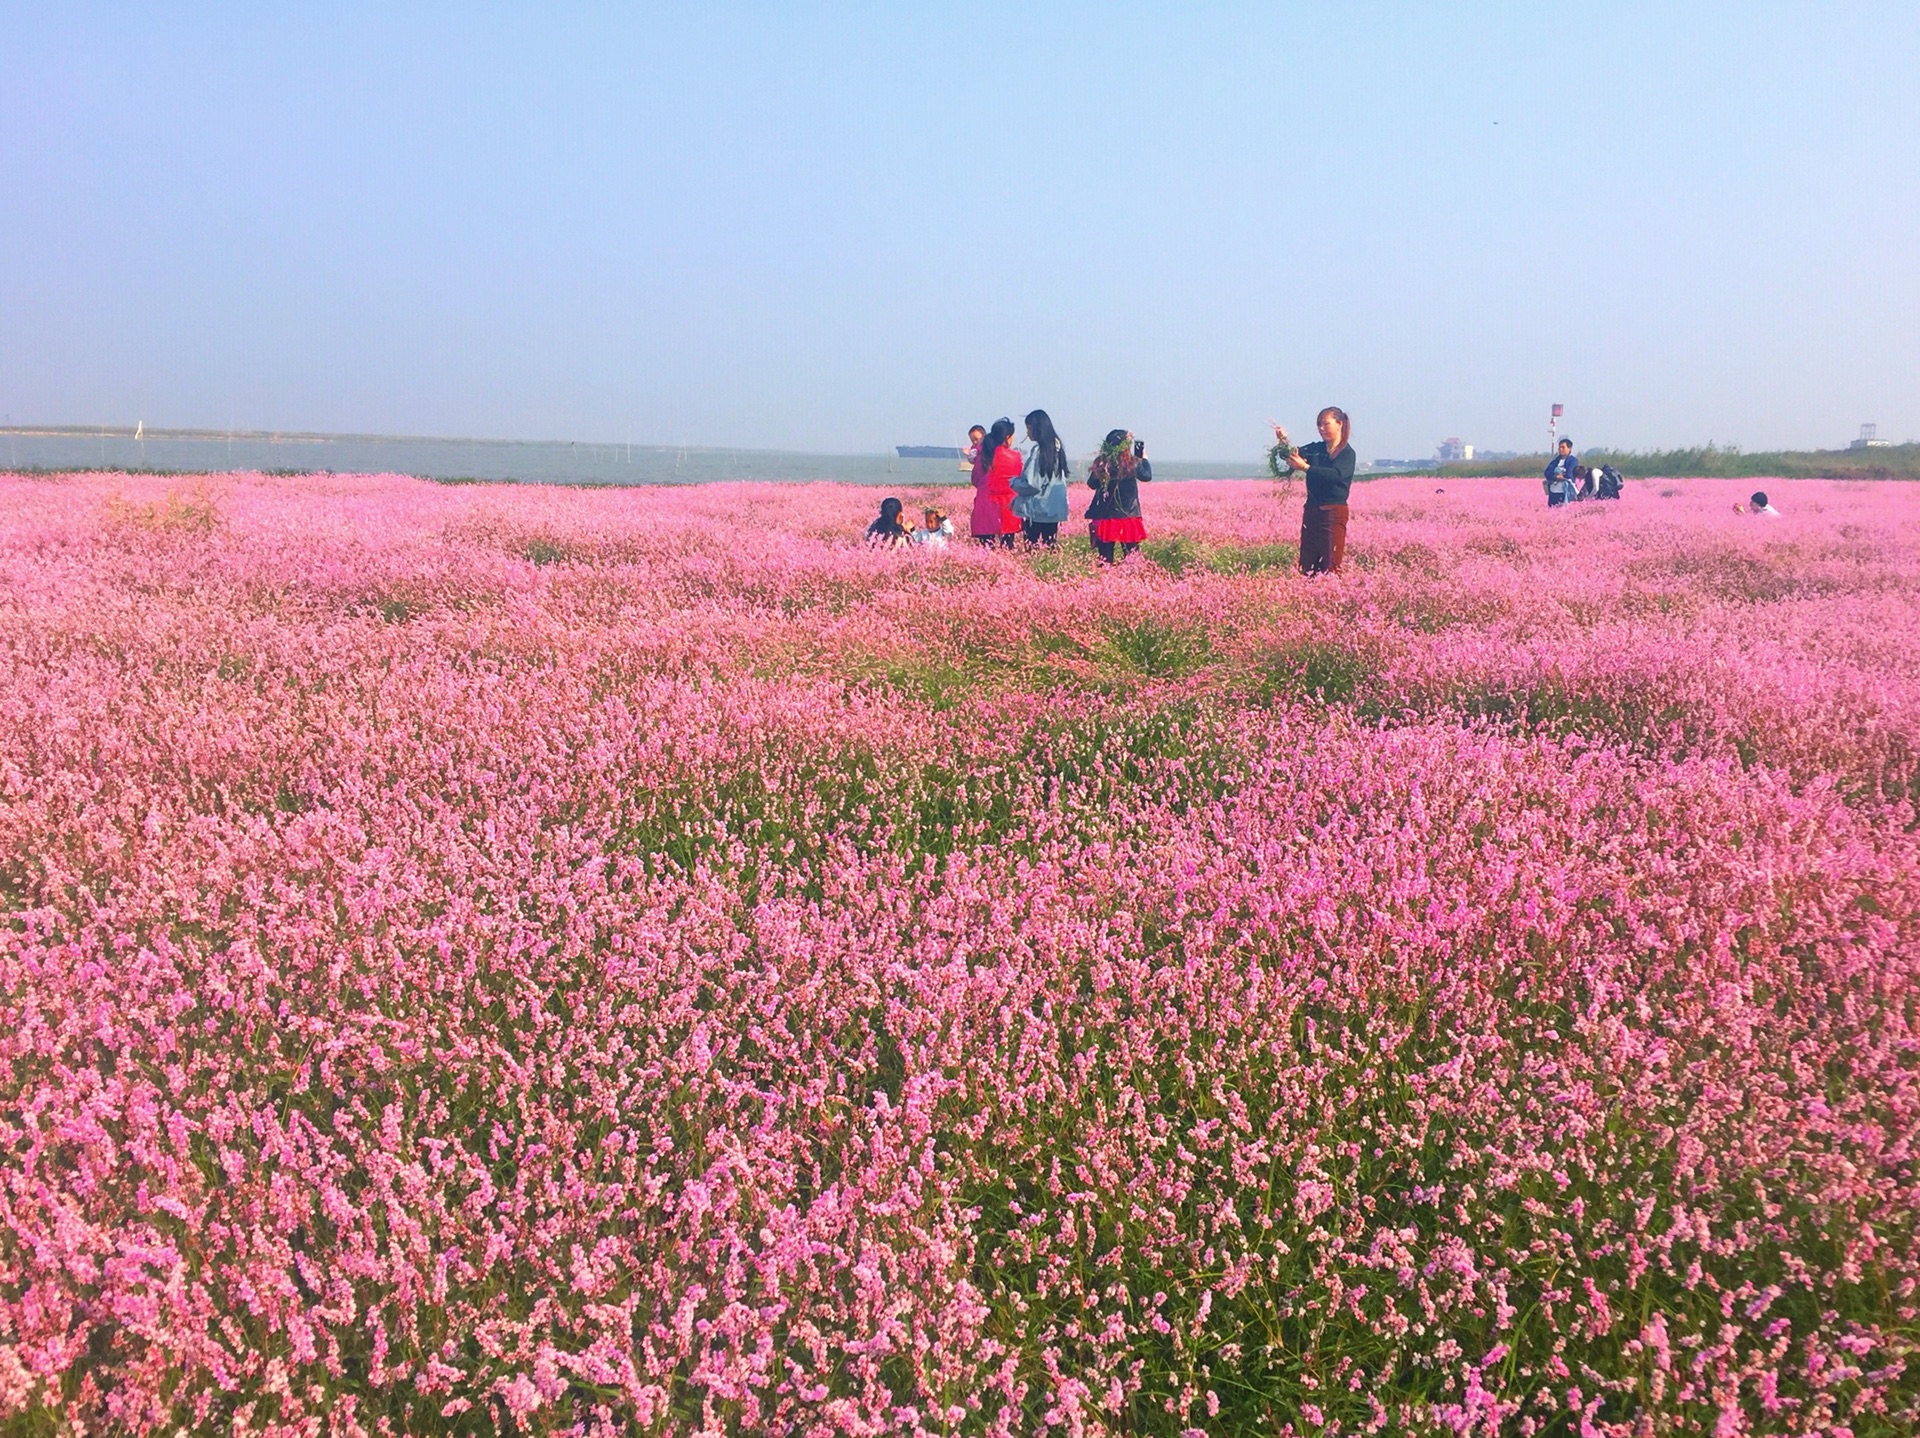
(780, 811)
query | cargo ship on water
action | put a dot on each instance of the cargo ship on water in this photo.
(927, 451)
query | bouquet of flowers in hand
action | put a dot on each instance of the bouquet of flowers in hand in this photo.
(1279, 453)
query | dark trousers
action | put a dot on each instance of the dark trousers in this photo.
(1556, 497)
(1323, 538)
(1002, 541)
(1108, 548)
(1040, 531)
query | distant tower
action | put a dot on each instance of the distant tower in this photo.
(1869, 438)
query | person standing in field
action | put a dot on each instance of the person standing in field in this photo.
(994, 522)
(1114, 523)
(1328, 465)
(1040, 492)
(1560, 473)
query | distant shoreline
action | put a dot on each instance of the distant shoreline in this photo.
(46, 449)
(55, 449)
(130, 434)
(293, 436)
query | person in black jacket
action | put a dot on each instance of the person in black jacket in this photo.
(1328, 466)
(1560, 475)
(1115, 477)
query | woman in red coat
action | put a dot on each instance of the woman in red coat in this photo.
(994, 521)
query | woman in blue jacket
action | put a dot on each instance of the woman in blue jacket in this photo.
(1328, 465)
(1040, 491)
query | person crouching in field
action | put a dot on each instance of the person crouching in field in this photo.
(1040, 493)
(1113, 517)
(1559, 475)
(887, 531)
(994, 521)
(1328, 466)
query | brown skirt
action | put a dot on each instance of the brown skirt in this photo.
(1323, 538)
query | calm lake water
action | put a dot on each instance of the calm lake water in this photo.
(510, 461)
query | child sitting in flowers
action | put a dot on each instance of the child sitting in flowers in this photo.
(935, 529)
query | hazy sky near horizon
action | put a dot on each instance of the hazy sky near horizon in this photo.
(841, 227)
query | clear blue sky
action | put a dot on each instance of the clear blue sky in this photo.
(838, 227)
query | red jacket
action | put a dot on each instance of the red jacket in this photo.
(993, 493)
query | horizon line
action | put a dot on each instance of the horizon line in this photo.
(289, 436)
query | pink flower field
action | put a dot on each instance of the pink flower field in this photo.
(482, 959)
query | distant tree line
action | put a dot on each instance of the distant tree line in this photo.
(1893, 461)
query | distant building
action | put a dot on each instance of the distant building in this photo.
(1453, 450)
(1869, 438)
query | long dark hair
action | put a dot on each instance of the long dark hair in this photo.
(1115, 460)
(1001, 432)
(888, 524)
(1346, 427)
(1053, 454)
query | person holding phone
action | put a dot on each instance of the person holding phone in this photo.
(1328, 466)
(1114, 523)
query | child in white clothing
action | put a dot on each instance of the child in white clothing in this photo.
(936, 529)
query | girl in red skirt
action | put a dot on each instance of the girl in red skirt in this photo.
(1113, 518)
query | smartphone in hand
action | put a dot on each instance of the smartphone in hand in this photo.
(1139, 449)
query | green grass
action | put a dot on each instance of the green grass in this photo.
(1317, 670)
(1253, 558)
(1179, 553)
(1159, 650)
(773, 799)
